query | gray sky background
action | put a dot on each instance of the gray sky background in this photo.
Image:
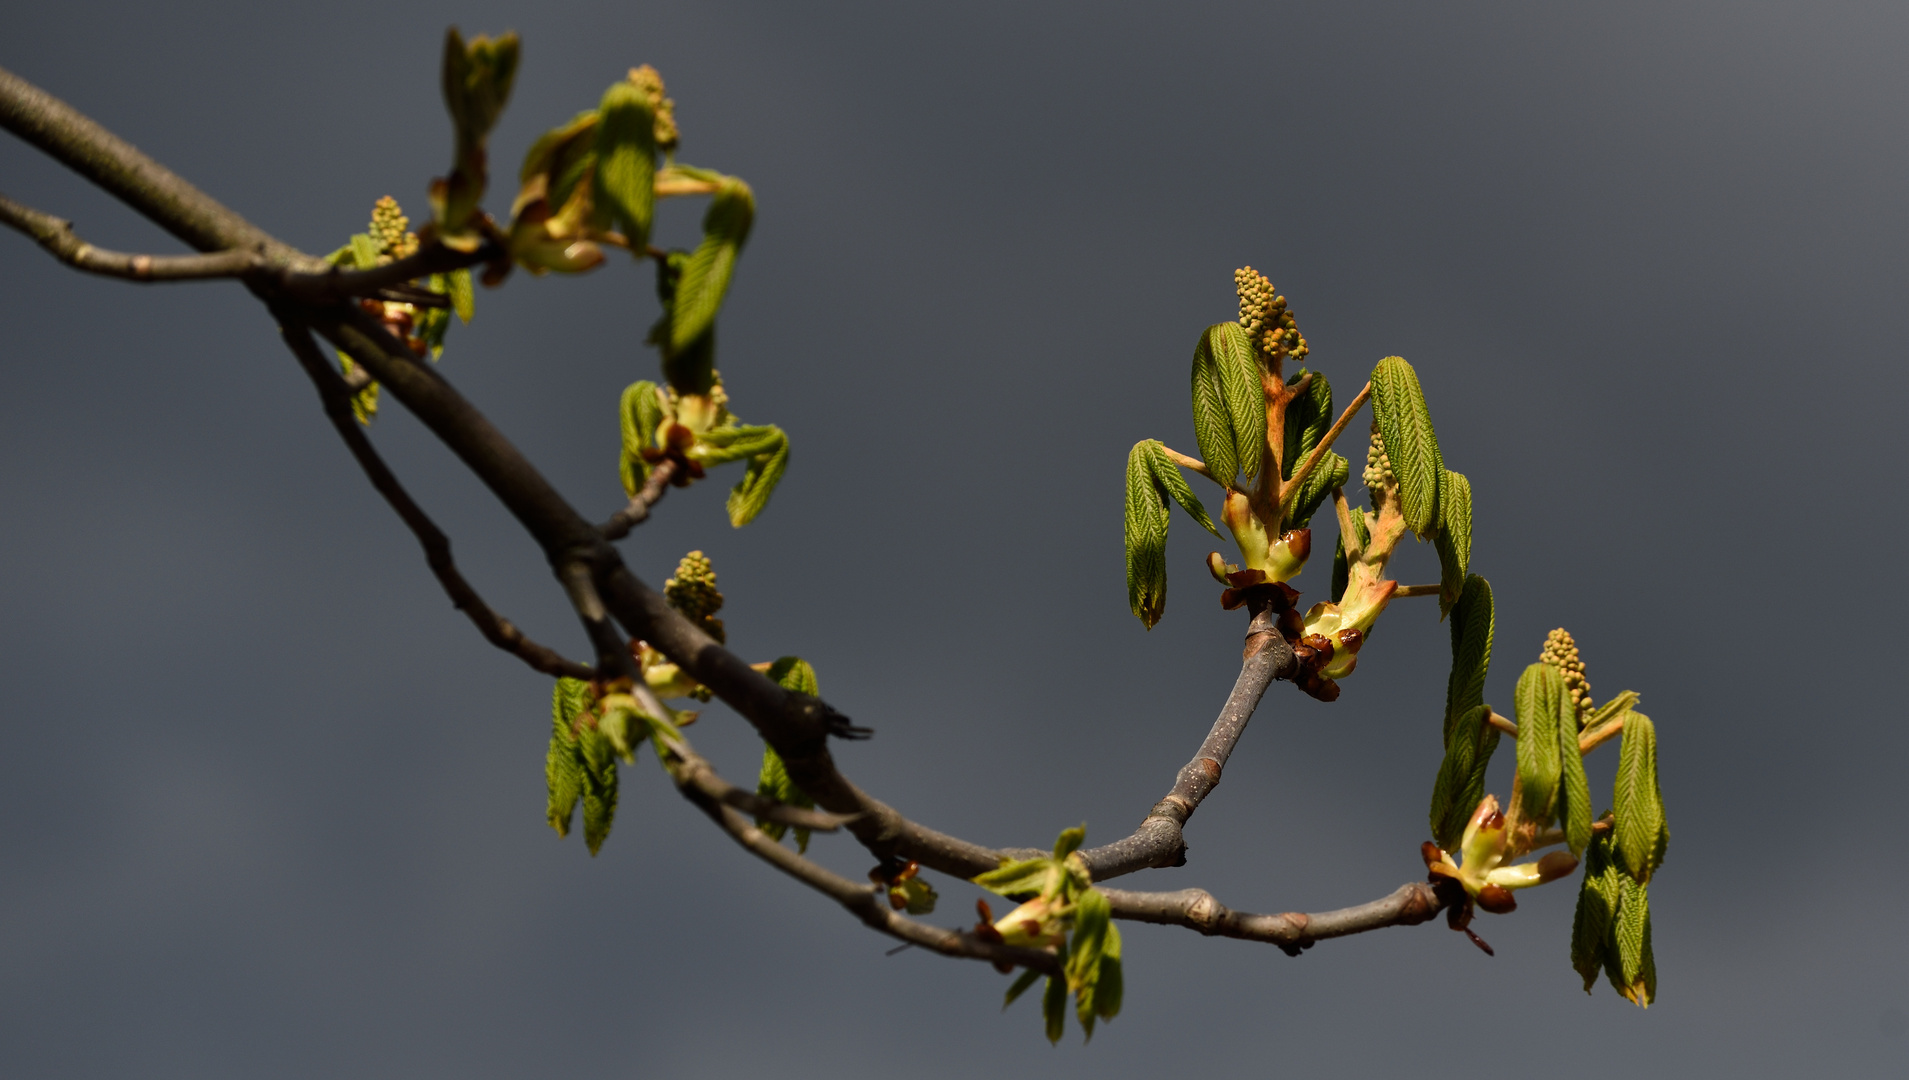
(269, 807)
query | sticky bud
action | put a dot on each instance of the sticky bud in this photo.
(1497, 899)
(1556, 865)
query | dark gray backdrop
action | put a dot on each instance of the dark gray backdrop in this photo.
(270, 807)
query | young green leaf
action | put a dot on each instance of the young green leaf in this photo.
(1642, 834)
(1166, 475)
(1092, 919)
(1454, 540)
(1146, 534)
(1245, 395)
(563, 769)
(1574, 791)
(1332, 472)
(1212, 426)
(1598, 897)
(1112, 986)
(751, 493)
(1341, 571)
(705, 280)
(598, 759)
(1406, 426)
(1629, 963)
(738, 441)
(1540, 690)
(1069, 841)
(1308, 418)
(790, 673)
(1018, 877)
(463, 301)
(625, 185)
(1461, 775)
(1472, 624)
(1020, 986)
(640, 413)
(364, 251)
(1054, 1009)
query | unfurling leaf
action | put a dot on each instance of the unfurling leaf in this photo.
(1539, 696)
(625, 191)
(1212, 426)
(1628, 961)
(364, 251)
(751, 493)
(639, 414)
(1020, 986)
(597, 756)
(1598, 897)
(1472, 624)
(1332, 472)
(705, 276)
(1244, 393)
(1167, 475)
(1405, 424)
(1641, 832)
(1574, 791)
(1308, 418)
(1093, 925)
(1054, 1009)
(791, 673)
(1146, 533)
(563, 768)
(1461, 776)
(1454, 541)
(463, 301)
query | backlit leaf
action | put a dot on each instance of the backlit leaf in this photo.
(1167, 475)
(1243, 391)
(1642, 834)
(1212, 426)
(1146, 536)
(751, 493)
(1406, 426)
(1454, 540)
(625, 185)
(705, 280)
(1472, 624)
(1598, 896)
(1540, 690)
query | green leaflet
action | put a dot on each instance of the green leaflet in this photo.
(751, 493)
(433, 322)
(1069, 841)
(1628, 960)
(1641, 832)
(739, 441)
(597, 757)
(705, 280)
(364, 403)
(790, 673)
(1332, 472)
(1018, 877)
(1539, 696)
(364, 251)
(1454, 540)
(1341, 571)
(1087, 964)
(463, 300)
(639, 413)
(1461, 776)
(1472, 626)
(625, 181)
(1598, 897)
(1020, 986)
(1212, 426)
(1308, 418)
(1167, 477)
(543, 155)
(1574, 791)
(1112, 988)
(477, 79)
(1244, 394)
(1146, 534)
(1406, 426)
(1054, 1009)
(563, 769)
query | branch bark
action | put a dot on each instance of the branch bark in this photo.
(1196, 909)
(57, 237)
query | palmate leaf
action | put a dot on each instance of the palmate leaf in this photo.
(1244, 393)
(1641, 832)
(1212, 425)
(751, 493)
(1472, 626)
(705, 280)
(1540, 698)
(1406, 426)
(625, 178)
(1166, 475)
(1146, 536)
(563, 769)
(1454, 541)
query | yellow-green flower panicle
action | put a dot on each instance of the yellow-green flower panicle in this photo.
(1561, 652)
(1266, 318)
(693, 592)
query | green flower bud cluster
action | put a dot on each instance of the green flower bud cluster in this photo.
(693, 592)
(1263, 312)
(390, 229)
(650, 82)
(1378, 467)
(1561, 652)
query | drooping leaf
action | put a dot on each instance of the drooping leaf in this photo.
(1212, 426)
(751, 493)
(597, 756)
(1146, 535)
(1629, 963)
(1454, 540)
(463, 300)
(1461, 775)
(1112, 987)
(1054, 1009)
(1332, 472)
(1308, 418)
(1642, 834)
(1092, 919)
(1598, 897)
(705, 280)
(1406, 426)
(738, 441)
(625, 179)
(1539, 692)
(1472, 624)
(1167, 476)
(1574, 791)
(1027, 979)
(790, 673)
(1244, 393)
(563, 768)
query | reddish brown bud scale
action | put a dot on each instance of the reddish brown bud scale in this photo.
(1431, 853)
(1299, 542)
(1497, 899)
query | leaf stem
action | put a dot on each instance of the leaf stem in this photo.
(1503, 724)
(1196, 465)
(1599, 735)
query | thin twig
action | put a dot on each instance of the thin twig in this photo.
(1300, 474)
(57, 237)
(1601, 734)
(1196, 909)
(654, 488)
(1415, 590)
(437, 547)
(1507, 726)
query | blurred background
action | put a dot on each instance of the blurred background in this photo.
(269, 806)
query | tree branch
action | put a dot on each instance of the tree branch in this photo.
(1196, 909)
(1159, 841)
(338, 283)
(57, 237)
(437, 547)
(654, 488)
